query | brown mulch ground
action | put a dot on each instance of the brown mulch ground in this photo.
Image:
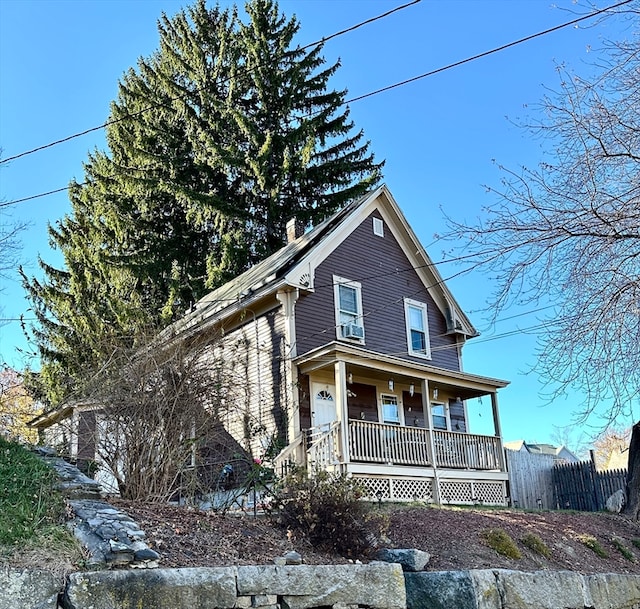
(452, 536)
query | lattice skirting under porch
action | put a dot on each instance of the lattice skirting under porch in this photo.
(469, 492)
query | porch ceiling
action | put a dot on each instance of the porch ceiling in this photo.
(376, 365)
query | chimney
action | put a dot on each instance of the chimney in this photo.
(295, 229)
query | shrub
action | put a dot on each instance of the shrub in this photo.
(499, 540)
(619, 545)
(534, 543)
(593, 544)
(327, 509)
(27, 502)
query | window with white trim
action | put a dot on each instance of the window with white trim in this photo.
(348, 303)
(415, 314)
(390, 409)
(440, 416)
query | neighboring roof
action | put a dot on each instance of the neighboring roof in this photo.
(46, 419)
(540, 449)
(268, 276)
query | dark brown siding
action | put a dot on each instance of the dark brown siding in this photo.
(415, 416)
(86, 435)
(385, 273)
(456, 414)
(304, 401)
(362, 402)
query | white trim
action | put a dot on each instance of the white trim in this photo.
(422, 307)
(398, 404)
(378, 227)
(447, 416)
(358, 318)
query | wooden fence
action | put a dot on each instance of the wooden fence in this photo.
(530, 479)
(578, 486)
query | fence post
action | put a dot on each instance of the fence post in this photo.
(596, 482)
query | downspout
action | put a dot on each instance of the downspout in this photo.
(288, 301)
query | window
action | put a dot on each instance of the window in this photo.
(439, 415)
(390, 410)
(378, 227)
(348, 302)
(417, 329)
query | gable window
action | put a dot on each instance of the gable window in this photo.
(348, 303)
(417, 329)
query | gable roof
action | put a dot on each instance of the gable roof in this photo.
(292, 266)
(541, 449)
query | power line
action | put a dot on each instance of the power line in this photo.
(352, 100)
(153, 106)
(486, 53)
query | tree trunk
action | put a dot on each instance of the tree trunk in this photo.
(632, 508)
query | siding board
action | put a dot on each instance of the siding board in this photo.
(252, 368)
(383, 269)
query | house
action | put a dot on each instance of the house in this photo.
(347, 347)
(343, 351)
(560, 454)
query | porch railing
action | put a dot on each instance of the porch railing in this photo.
(467, 451)
(324, 446)
(384, 443)
(393, 444)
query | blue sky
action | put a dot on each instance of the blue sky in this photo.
(441, 136)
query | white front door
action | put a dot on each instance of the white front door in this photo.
(323, 407)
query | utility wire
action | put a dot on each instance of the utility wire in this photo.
(153, 106)
(486, 53)
(352, 100)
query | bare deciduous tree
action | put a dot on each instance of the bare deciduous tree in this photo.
(568, 232)
(159, 413)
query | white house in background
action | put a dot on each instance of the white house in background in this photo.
(561, 454)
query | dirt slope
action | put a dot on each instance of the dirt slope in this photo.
(454, 537)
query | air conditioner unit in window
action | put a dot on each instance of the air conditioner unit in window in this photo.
(352, 331)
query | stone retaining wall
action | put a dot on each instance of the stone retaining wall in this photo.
(376, 585)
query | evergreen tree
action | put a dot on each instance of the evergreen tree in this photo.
(216, 140)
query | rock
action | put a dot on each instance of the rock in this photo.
(146, 554)
(613, 590)
(377, 585)
(442, 590)
(204, 588)
(280, 561)
(616, 502)
(292, 558)
(543, 590)
(28, 589)
(411, 560)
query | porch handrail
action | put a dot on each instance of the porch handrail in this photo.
(456, 449)
(324, 446)
(282, 461)
(386, 443)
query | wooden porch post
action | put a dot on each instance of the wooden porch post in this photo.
(426, 409)
(497, 428)
(342, 411)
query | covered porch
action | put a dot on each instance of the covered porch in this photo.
(398, 425)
